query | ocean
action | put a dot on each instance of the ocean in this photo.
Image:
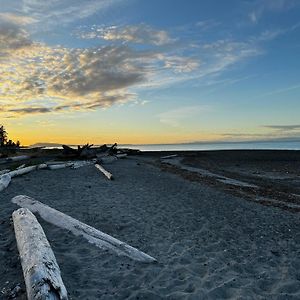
(217, 146)
(209, 146)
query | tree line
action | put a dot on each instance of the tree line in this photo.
(5, 141)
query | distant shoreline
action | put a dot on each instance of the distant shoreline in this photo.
(201, 146)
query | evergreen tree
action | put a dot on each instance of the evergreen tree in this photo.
(3, 136)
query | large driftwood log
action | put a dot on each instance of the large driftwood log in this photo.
(40, 269)
(4, 181)
(94, 236)
(22, 171)
(106, 173)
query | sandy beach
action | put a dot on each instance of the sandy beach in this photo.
(212, 240)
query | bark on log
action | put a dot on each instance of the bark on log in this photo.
(106, 173)
(40, 269)
(92, 235)
(4, 181)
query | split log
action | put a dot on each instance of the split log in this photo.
(4, 181)
(40, 269)
(106, 173)
(91, 234)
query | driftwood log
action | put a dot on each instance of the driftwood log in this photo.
(4, 171)
(22, 171)
(91, 234)
(40, 269)
(106, 173)
(4, 181)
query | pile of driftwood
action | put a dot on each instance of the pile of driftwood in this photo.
(82, 156)
(88, 151)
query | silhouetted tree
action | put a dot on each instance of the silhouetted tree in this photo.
(3, 139)
(3, 136)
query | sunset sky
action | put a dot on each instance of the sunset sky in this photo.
(140, 71)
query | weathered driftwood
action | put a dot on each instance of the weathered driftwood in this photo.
(4, 171)
(81, 163)
(169, 156)
(94, 236)
(19, 172)
(108, 159)
(60, 166)
(85, 151)
(4, 181)
(40, 269)
(21, 167)
(113, 149)
(106, 173)
(22, 171)
(17, 158)
(121, 155)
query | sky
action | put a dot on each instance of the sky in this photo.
(140, 71)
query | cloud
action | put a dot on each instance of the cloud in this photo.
(75, 79)
(140, 34)
(29, 110)
(177, 116)
(283, 127)
(280, 91)
(58, 12)
(260, 7)
(12, 37)
(207, 24)
(17, 19)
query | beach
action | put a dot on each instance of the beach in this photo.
(212, 238)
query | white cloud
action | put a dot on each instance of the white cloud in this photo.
(17, 19)
(260, 7)
(36, 78)
(140, 34)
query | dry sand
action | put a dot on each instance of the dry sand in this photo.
(209, 243)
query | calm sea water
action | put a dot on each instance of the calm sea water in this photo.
(212, 146)
(217, 146)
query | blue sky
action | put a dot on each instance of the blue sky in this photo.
(140, 71)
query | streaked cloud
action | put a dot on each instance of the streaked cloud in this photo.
(260, 7)
(58, 12)
(140, 34)
(283, 127)
(176, 117)
(17, 19)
